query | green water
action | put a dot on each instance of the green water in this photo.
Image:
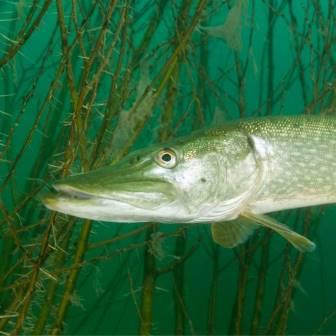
(82, 83)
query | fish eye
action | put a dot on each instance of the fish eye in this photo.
(166, 158)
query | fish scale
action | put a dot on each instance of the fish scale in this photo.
(302, 160)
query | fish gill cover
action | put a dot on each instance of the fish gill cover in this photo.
(85, 82)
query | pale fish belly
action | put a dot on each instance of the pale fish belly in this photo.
(301, 168)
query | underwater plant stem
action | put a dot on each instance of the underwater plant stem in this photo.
(167, 115)
(240, 300)
(180, 246)
(71, 280)
(171, 267)
(150, 32)
(240, 87)
(159, 83)
(31, 133)
(245, 256)
(119, 237)
(293, 278)
(51, 289)
(79, 113)
(283, 320)
(298, 50)
(182, 43)
(261, 282)
(118, 92)
(146, 307)
(66, 51)
(278, 298)
(24, 36)
(270, 58)
(213, 291)
(121, 27)
(94, 82)
(6, 256)
(290, 272)
(111, 107)
(202, 90)
(4, 320)
(12, 231)
(29, 291)
(95, 50)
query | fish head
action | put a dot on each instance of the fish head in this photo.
(179, 182)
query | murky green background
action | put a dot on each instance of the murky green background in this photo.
(82, 83)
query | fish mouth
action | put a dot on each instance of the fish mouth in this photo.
(111, 193)
(118, 206)
(129, 193)
(63, 193)
(66, 191)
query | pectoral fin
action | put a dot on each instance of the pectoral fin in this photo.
(232, 233)
(300, 242)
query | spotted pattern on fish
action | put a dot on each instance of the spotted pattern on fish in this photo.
(302, 157)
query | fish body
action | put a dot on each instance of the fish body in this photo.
(230, 177)
(300, 159)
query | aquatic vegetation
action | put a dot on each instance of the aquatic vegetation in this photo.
(231, 29)
(84, 82)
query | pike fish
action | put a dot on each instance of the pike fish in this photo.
(228, 177)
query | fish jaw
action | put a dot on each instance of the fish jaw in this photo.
(118, 206)
(123, 192)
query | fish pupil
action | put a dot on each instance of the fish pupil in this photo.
(166, 157)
